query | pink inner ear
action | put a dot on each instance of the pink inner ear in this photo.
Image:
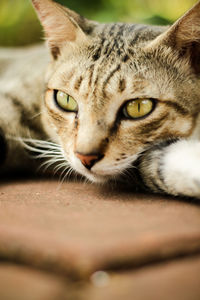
(58, 31)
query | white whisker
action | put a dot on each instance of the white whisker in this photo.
(35, 116)
(51, 152)
(60, 166)
(68, 173)
(50, 163)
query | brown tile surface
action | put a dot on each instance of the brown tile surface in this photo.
(177, 280)
(22, 283)
(78, 229)
(74, 229)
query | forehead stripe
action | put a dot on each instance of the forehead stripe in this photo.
(109, 77)
(78, 83)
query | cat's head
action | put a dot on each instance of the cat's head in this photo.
(113, 90)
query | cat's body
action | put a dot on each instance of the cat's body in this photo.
(22, 85)
(134, 100)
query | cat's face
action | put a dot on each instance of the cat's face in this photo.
(127, 91)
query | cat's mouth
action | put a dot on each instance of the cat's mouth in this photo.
(97, 176)
(104, 171)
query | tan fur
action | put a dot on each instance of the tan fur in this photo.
(99, 105)
(102, 66)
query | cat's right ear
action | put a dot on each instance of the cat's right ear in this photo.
(60, 26)
(184, 37)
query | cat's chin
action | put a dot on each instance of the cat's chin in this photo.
(91, 175)
(95, 177)
(98, 178)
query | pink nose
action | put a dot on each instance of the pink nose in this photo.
(88, 160)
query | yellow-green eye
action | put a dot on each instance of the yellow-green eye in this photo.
(138, 108)
(66, 102)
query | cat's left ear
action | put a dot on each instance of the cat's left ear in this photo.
(184, 36)
(60, 25)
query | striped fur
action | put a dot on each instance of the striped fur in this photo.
(102, 66)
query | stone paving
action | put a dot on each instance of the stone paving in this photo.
(82, 242)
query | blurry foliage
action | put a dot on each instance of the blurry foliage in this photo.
(19, 25)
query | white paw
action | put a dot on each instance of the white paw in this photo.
(181, 168)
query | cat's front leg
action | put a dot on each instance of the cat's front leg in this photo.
(173, 168)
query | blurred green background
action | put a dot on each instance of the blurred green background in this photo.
(19, 25)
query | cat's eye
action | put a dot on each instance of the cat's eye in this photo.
(138, 108)
(66, 102)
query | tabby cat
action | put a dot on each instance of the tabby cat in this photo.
(107, 101)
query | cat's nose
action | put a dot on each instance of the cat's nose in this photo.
(88, 160)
